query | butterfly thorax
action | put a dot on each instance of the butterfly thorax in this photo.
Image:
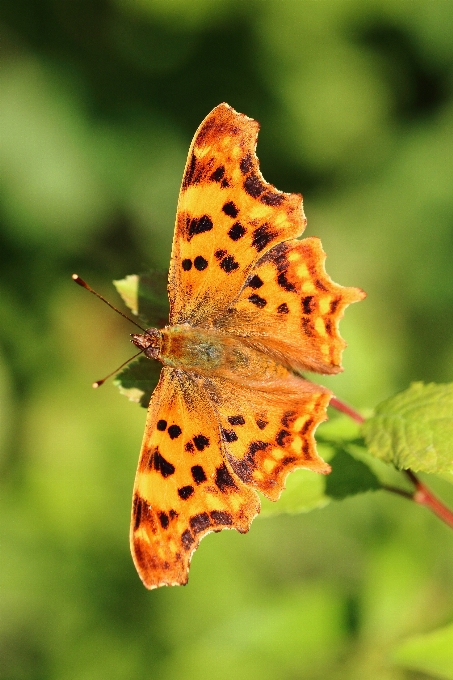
(208, 352)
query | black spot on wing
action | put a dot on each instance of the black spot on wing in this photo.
(220, 253)
(287, 460)
(328, 325)
(306, 450)
(198, 225)
(271, 198)
(142, 514)
(285, 284)
(283, 438)
(229, 435)
(137, 514)
(185, 492)
(174, 431)
(187, 264)
(334, 304)
(218, 174)
(261, 423)
(255, 282)
(283, 308)
(320, 286)
(200, 263)
(257, 300)
(236, 420)
(161, 425)
(229, 264)
(246, 164)
(254, 186)
(307, 327)
(307, 304)
(161, 465)
(262, 236)
(189, 447)
(164, 519)
(257, 446)
(223, 479)
(244, 467)
(187, 539)
(230, 209)
(237, 231)
(221, 517)
(288, 418)
(308, 423)
(199, 522)
(201, 442)
(198, 474)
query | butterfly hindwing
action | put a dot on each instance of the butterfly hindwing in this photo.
(269, 432)
(228, 217)
(292, 309)
(184, 488)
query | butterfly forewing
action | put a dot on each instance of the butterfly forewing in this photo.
(227, 218)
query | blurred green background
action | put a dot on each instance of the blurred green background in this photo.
(99, 100)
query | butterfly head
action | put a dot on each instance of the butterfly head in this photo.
(150, 342)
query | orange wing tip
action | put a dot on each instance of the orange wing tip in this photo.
(226, 126)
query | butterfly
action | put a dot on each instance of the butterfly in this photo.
(251, 307)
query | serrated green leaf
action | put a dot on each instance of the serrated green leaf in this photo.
(138, 380)
(146, 296)
(431, 653)
(414, 429)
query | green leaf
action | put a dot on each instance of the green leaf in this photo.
(146, 296)
(349, 476)
(414, 429)
(431, 653)
(138, 380)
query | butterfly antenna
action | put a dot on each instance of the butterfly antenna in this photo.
(98, 383)
(81, 282)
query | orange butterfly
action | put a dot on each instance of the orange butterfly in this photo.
(250, 307)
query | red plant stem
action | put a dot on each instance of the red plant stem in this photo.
(422, 495)
(344, 408)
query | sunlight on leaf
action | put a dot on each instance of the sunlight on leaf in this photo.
(138, 380)
(414, 429)
(146, 296)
